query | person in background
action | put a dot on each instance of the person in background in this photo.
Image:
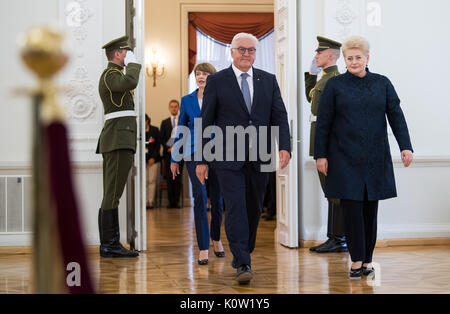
(152, 159)
(167, 131)
(190, 110)
(352, 148)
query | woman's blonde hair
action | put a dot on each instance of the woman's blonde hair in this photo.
(356, 42)
(205, 67)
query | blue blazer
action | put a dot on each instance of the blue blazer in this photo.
(189, 110)
(224, 105)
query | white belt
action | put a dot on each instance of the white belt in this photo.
(312, 118)
(119, 114)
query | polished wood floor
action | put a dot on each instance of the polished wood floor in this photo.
(169, 266)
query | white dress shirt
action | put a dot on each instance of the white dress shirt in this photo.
(238, 73)
(174, 125)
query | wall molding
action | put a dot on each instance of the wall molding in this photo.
(419, 162)
(7, 168)
(389, 232)
(16, 239)
(391, 242)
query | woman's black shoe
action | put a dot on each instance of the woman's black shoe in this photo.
(220, 254)
(203, 262)
(369, 272)
(356, 273)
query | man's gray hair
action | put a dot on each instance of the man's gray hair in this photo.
(244, 35)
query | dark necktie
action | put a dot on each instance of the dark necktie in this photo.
(246, 91)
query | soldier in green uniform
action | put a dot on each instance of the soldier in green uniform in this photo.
(326, 57)
(117, 142)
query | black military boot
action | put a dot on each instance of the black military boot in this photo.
(110, 235)
(335, 245)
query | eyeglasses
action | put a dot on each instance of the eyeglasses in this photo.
(242, 50)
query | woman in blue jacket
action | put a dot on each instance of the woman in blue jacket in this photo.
(352, 148)
(190, 110)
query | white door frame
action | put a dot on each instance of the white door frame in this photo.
(286, 71)
(140, 179)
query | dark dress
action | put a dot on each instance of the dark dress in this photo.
(152, 144)
(351, 133)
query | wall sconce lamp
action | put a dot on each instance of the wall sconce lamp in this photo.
(156, 66)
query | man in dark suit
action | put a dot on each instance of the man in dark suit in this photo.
(245, 97)
(167, 139)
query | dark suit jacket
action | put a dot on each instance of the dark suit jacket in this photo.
(153, 144)
(351, 133)
(165, 131)
(224, 105)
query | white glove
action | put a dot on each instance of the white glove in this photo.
(130, 58)
(314, 70)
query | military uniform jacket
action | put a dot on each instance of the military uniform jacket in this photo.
(313, 91)
(115, 90)
(352, 134)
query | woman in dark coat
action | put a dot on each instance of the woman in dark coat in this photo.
(352, 148)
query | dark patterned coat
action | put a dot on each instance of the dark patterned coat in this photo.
(351, 133)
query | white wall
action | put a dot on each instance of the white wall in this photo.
(410, 46)
(15, 119)
(100, 22)
(409, 42)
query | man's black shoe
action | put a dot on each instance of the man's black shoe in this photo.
(314, 248)
(270, 218)
(244, 274)
(333, 246)
(116, 250)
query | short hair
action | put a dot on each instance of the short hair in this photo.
(336, 53)
(356, 42)
(174, 100)
(147, 119)
(110, 54)
(205, 67)
(244, 35)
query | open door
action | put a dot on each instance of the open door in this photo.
(285, 64)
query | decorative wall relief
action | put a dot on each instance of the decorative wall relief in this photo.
(81, 95)
(345, 16)
(81, 104)
(83, 23)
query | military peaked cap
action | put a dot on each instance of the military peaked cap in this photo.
(119, 43)
(325, 43)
